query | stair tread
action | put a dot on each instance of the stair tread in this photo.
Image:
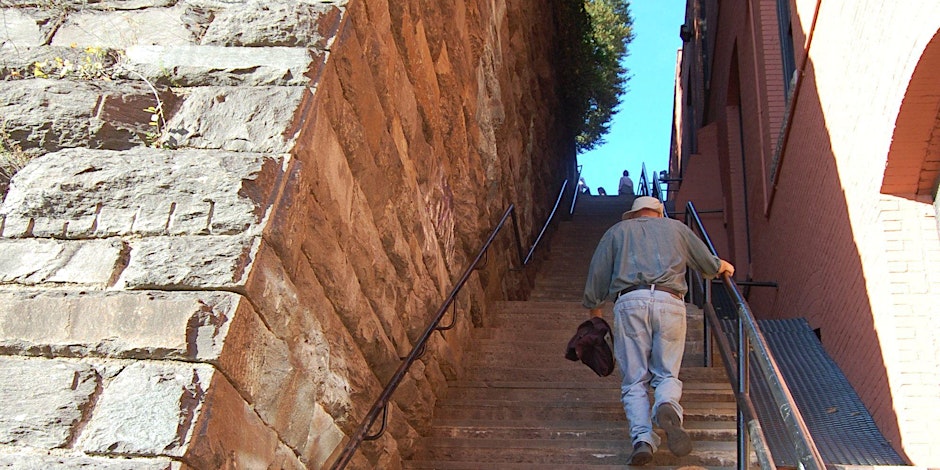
(586, 451)
(473, 465)
(576, 430)
(559, 443)
(612, 385)
(686, 373)
(692, 409)
(573, 424)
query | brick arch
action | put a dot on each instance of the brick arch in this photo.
(913, 165)
(909, 226)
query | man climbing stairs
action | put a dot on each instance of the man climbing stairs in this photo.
(521, 405)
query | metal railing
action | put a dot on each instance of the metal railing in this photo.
(575, 193)
(643, 182)
(751, 342)
(380, 406)
(561, 195)
(656, 190)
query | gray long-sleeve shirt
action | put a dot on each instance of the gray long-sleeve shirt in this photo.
(642, 251)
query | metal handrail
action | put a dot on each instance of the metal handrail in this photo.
(381, 403)
(656, 191)
(750, 338)
(548, 221)
(643, 182)
(576, 192)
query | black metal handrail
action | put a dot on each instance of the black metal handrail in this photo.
(656, 190)
(643, 183)
(380, 406)
(751, 339)
(575, 193)
(561, 194)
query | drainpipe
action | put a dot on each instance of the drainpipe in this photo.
(796, 95)
(747, 210)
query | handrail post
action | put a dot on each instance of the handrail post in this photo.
(708, 333)
(744, 460)
(515, 230)
(576, 191)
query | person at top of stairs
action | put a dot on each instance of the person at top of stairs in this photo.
(640, 264)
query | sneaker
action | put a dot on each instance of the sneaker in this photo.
(680, 444)
(642, 454)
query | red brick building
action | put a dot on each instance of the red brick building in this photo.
(808, 134)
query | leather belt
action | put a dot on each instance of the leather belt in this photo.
(674, 292)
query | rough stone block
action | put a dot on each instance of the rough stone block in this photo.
(236, 119)
(258, 363)
(323, 437)
(216, 327)
(293, 24)
(120, 29)
(204, 262)
(223, 66)
(139, 325)
(34, 261)
(23, 459)
(93, 5)
(329, 379)
(54, 114)
(43, 400)
(145, 191)
(184, 411)
(48, 114)
(124, 116)
(18, 30)
(232, 435)
(148, 409)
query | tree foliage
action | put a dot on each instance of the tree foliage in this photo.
(595, 36)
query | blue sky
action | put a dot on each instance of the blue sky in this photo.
(641, 130)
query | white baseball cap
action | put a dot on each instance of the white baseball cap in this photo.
(644, 202)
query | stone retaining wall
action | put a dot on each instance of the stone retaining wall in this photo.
(240, 214)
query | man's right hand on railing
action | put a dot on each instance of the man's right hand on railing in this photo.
(725, 267)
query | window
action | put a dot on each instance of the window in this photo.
(786, 43)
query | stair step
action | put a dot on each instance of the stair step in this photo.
(613, 411)
(605, 383)
(555, 306)
(562, 313)
(548, 339)
(541, 429)
(450, 465)
(548, 372)
(533, 351)
(503, 356)
(692, 392)
(555, 451)
(552, 369)
(539, 295)
(551, 336)
(558, 307)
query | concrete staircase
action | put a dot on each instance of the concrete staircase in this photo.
(522, 405)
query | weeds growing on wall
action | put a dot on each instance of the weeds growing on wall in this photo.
(92, 64)
(12, 159)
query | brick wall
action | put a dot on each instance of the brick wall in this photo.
(856, 262)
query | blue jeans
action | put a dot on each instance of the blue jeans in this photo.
(649, 339)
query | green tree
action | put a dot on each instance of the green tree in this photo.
(595, 36)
